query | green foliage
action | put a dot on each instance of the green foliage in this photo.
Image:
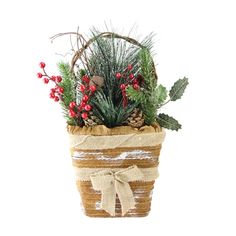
(148, 105)
(135, 95)
(160, 94)
(147, 69)
(109, 56)
(68, 84)
(107, 112)
(168, 122)
(178, 89)
(141, 100)
(81, 73)
(150, 95)
(106, 57)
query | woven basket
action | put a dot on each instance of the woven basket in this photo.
(111, 158)
(100, 156)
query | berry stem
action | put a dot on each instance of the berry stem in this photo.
(45, 74)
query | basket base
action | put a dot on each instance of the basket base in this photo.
(102, 215)
(106, 215)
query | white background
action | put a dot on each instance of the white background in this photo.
(195, 193)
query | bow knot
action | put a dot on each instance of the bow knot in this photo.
(111, 183)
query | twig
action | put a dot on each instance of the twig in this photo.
(79, 53)
(84, 55)
(62, 34)
(72, 47)
(163, 104)
(77, 38)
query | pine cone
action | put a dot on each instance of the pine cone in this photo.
(92, 120)
(97, 80)
(136, 119)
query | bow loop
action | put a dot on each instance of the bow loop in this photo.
(132, 173)
(102, 180)
(116, 183)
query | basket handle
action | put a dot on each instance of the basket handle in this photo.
(80, 52)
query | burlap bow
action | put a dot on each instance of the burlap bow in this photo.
(111, 183)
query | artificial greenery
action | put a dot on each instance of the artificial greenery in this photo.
(110, 114)
(178, 89)
(168, 122)
(153, 96)
(108, 55)
(68, 83)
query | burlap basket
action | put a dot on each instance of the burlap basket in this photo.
(115, 167)
(99, 152)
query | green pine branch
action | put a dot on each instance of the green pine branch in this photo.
(107, 112)
(150, 95)
(68, 83)
(138, 96)
(109, 56)
(147, 69)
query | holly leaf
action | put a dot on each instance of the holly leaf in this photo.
(178, 89)
(160, 94)
(168, 122)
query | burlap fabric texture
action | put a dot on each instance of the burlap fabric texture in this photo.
(115, 168)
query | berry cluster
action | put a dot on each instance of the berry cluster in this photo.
(128, 78)
(84, 107)
(57, 91)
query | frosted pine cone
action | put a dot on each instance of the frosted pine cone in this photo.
(136, 119)
(92, 120)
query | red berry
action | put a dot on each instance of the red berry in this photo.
(131, 76)
(42, 65)
(85, 78)
(58, 79)
(118, 75)
(136, 86)
(56, 99)
(87, 107)
(72, 113)
(135, 81)
(72, 105)
(60, 90)
(92, 88)
(140, 77)
(46, 80)
(82, 88)
(53, 90)
(84, 115)
(39, 75)
(83, 104)
(122, 86)
(53, 78)
(52, 95)
(129, 67)
(85, 98)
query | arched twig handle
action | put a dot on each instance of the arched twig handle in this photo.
(79, 53)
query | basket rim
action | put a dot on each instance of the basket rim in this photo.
(102, 130)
